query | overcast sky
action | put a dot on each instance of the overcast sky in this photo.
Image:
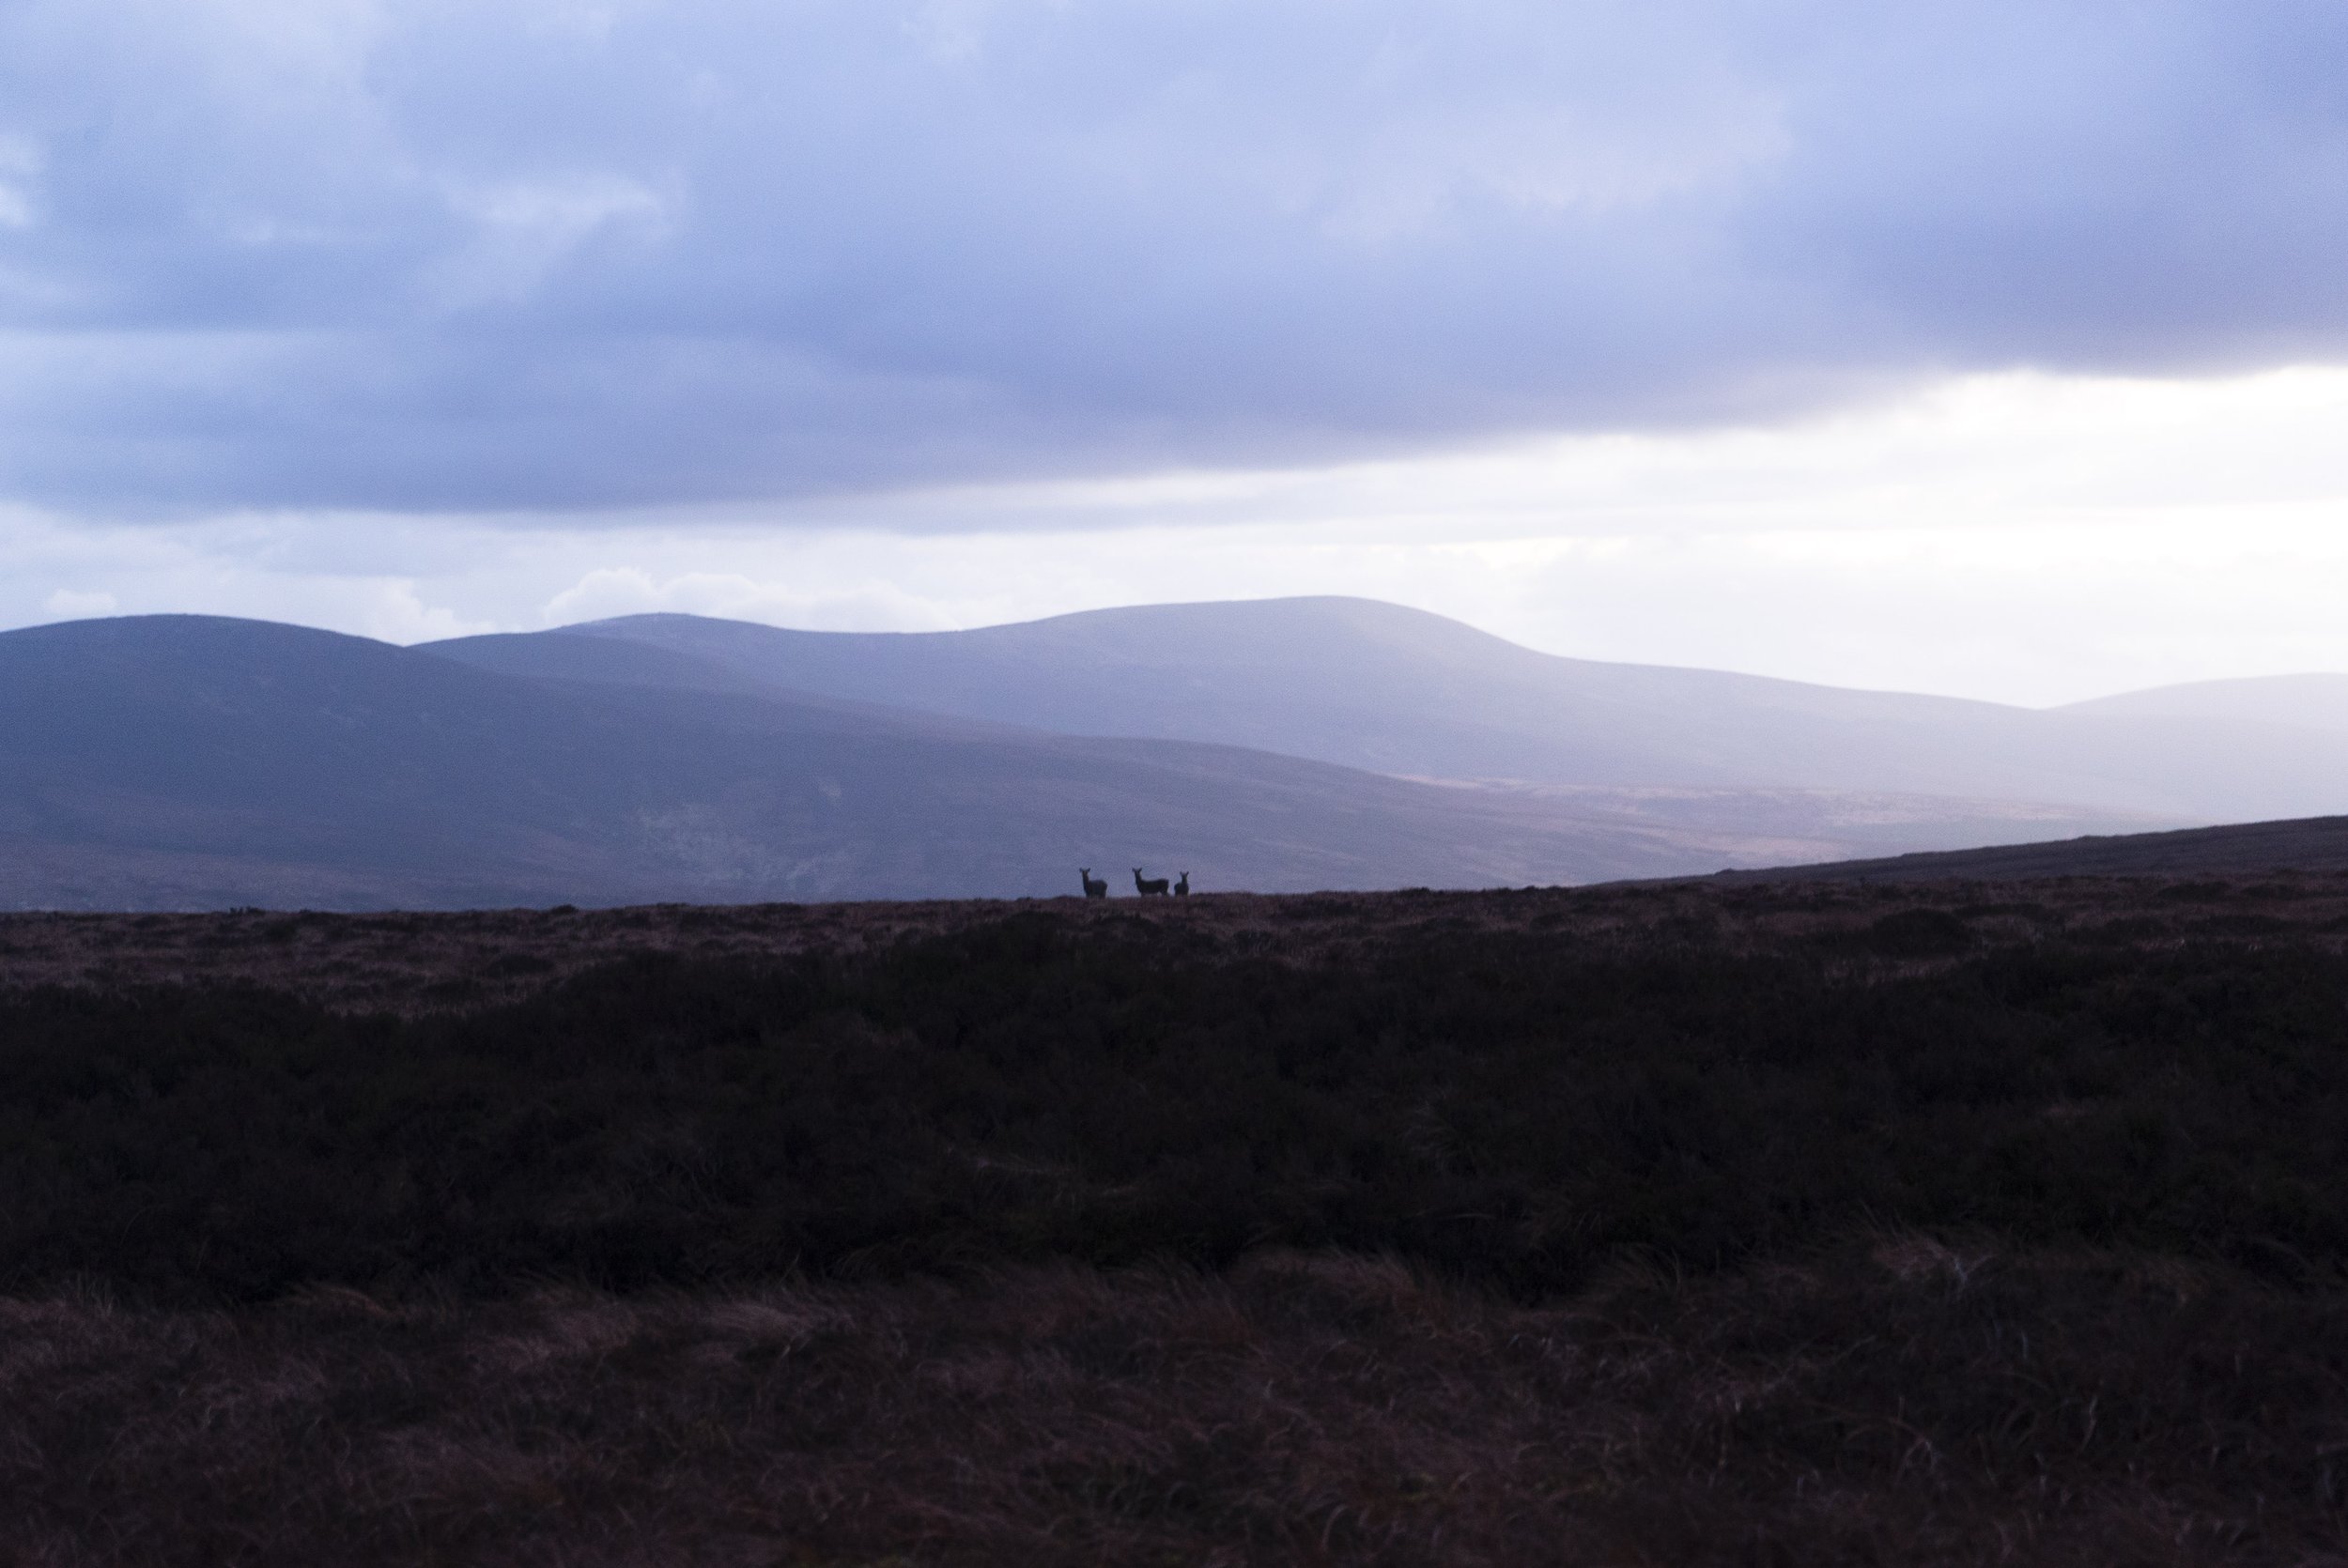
(1976, 347)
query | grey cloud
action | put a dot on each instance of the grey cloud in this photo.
(545, 255)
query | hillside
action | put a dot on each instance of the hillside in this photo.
(1377, 687)
(2314, 844)
(189, 761)
(2307, 701)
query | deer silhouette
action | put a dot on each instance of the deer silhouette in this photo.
(1151, 887)
(1094, 886)
(1182, 888)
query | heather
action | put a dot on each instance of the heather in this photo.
(1898, 1402)
(1695, 1223)
(1504, 1106)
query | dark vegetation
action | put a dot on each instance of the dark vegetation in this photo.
(1493, 1104)
(1804, 1224)
(1899, 1404)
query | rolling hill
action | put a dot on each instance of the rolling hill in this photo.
(182, 761)
(2305, 701)
(189, 761)
(1398, 691)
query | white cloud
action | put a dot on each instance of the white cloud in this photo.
(394, 611)
(66, 604)
(871, 605)
(526, 229)
(20, 165)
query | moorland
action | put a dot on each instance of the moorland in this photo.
(1803, 1222)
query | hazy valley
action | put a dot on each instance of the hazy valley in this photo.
(192, 762)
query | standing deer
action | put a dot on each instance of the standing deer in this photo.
(1094, 886)
(1153, 887)
(1182, 888)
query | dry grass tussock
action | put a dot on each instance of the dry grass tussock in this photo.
(1911, 1402)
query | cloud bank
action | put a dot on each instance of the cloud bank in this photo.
(547, 255)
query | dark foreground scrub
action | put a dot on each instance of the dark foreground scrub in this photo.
(1491, 1104)
(1620, 1227)
(1902, 1404)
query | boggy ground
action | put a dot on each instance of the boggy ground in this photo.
(1796, 1224)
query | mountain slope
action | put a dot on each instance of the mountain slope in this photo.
(1376, 686)
(2307, 701)
(187, 762)
(2316, 844)
(1748, 826)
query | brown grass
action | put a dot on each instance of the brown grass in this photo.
(412, 962)
(1912, 1403)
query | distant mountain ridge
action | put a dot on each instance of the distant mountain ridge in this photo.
(1381, 687)
(187, 761)
(2313, 701)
